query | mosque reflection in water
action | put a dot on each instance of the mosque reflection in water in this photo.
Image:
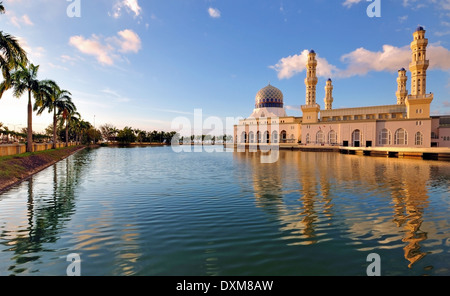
(379, 203)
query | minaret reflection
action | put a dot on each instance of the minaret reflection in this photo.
(294, 190)
(267, 181)
(410, 200)
(305, 191)
(309, 195)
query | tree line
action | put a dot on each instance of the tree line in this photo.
(130, 135)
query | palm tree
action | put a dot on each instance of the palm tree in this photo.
(54, 99)
(67, 110)
(108, 131)
(84, 126)
(23, 79)
(11, 53)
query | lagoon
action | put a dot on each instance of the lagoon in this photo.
(151, 211)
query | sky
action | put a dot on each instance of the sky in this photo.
(145, 63)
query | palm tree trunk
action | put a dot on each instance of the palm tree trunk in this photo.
(30, 125)
(67, 133)
(54, 129)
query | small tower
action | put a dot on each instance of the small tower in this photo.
(311, 79)
(329, 95)
(419, 63)
(418, 103)
(402, 92)
(311, 109)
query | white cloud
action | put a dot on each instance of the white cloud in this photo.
(66, 58)
(214, 12)
(439, 57)
(289, 66)
(416, 4)
(350, 3)
(106, 50)
(58, 67)
(442, 33)
(93, 47)
(445, 4)
(362, 61)
(27, 20)
(117, 97)
(132, 6)
(403, 19)
(19, 21)
(129, 41)
(34, 53)
(293, 107)
(390, 59)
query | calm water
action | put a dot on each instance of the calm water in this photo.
(150, 211)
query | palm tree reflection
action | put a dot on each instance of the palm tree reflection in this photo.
(46, 214)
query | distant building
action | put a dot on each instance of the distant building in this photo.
(405, 124)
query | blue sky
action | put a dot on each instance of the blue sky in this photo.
(143, 63)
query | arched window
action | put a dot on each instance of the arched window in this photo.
(283, 136)
(275, 137)
(251, 137)
(401, 137)
(332, 137)
(308, 139)
(385, 137)
(319, 137)
(356, 138)
(419, 139)
(258, 137)
(244, 137)
(266, 137)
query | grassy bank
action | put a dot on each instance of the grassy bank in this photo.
(16, 168)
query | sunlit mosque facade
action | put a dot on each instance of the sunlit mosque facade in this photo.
(408, 123)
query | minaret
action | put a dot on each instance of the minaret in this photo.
(419, 63)
(329, 95)
(418, 103)
(311, 79)
(402, 92)
(311, 109)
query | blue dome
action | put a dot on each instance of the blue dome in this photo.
(402, 69)
(329, 79)
(420, 28)
(312, 51)
(269, 96)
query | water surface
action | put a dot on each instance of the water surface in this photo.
(150, 211)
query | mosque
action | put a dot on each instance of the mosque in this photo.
(405, 124)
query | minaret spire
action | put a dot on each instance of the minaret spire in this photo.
(402, 92)
(329, 95)
(311, 79)
(311, 109)
(419, 63)
(418, 103)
